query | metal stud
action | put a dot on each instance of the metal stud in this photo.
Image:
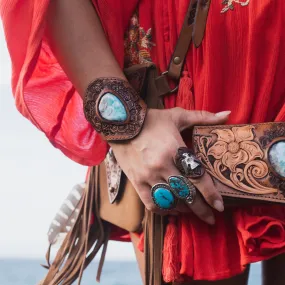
(177, 60)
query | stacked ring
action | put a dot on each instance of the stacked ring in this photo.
(163, 197)
(182, 188)
(187, 163)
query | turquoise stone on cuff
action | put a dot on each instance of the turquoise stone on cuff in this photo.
(277, 157)
(163, 198)
(112, 109)
(179, 186)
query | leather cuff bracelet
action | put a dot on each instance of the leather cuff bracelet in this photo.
(114, 109)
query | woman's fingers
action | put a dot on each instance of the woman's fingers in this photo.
(184, 119)
(199, 206)
(148, 160)
(202, 210)
(193, 169)
(145, 193)
(182, 207)
(173, 171)
(206, 187)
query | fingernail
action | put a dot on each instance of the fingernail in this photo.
(210, 220)
(223, 114)
(218, 205)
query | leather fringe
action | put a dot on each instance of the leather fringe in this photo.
(153, 238)
(83, 242)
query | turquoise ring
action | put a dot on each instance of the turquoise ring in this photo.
(182, 188)
(163, 197)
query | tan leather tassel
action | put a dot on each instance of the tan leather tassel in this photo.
(154, 232)
(83, 242)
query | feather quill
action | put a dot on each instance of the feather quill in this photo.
(66, 215)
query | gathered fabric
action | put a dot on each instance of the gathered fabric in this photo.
(240, 66)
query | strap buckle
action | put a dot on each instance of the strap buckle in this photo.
(165, 73)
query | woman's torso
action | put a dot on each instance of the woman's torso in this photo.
(240, 65)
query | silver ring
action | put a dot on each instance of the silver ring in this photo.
(188, 164)
(163, 197)
(182, 188)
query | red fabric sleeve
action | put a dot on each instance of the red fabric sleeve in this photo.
(42, 91)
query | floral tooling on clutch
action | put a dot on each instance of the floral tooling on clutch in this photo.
(248, 158)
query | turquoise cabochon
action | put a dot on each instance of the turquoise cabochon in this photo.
(179, 186)
(276, 156)
(112, 109)
(163, 197)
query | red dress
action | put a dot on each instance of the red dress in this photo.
(239, 67)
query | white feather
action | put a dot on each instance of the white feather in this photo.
(66, 215)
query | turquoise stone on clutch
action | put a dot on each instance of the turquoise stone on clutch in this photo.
(277, 157)
(112, 109)
(163, 198)
(179, 186)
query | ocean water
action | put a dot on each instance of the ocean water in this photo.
(29, 272)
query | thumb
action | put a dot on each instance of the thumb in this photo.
(184, 119)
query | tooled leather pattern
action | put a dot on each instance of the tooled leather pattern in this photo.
(114, 174)
(271, 134)
(237, 156)
(135, 108)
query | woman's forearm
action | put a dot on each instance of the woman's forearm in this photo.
(78, 41)
(147, 156)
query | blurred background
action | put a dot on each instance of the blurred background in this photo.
(35, 179)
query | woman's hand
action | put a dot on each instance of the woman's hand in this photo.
(149, 158)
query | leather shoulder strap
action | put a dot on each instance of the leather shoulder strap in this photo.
(200, 21)
(193, 28)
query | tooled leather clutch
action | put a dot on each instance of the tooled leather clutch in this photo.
(245, 161)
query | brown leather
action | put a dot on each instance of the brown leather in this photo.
(239, 159)
(184, 40)
(194, 26)
(200, 21)
(153, 246)
(162, 85)
(127, 211)
(134, 106)
(143, 78)
(83, 242)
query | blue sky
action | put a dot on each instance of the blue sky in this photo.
(35, 179)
